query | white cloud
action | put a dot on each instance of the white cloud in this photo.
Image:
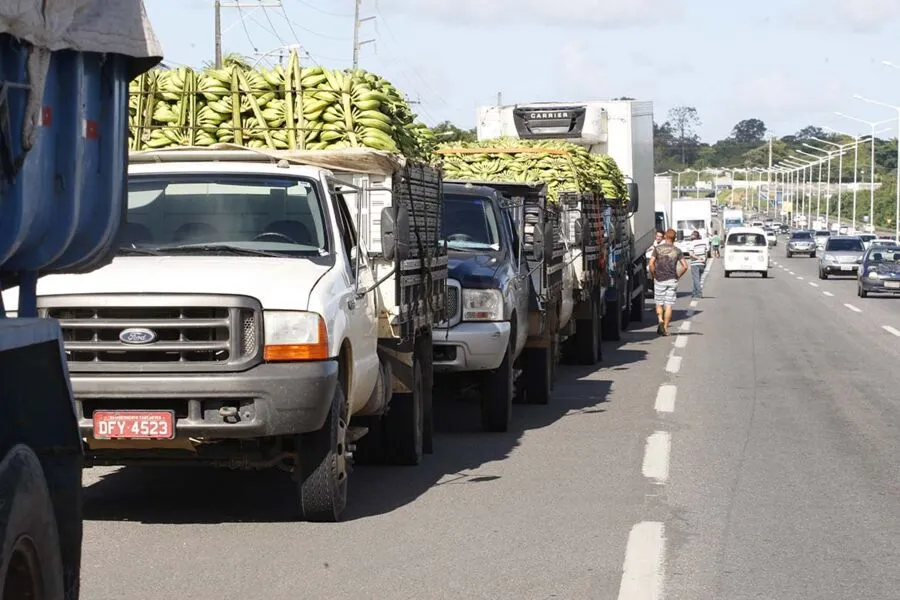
(861, 16)
(498, 13)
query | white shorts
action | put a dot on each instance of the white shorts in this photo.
(665, 292)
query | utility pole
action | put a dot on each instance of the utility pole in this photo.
(769, 179)
(217, 9)
(357, 21)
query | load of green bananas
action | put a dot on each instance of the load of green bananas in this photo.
(563, 166)
(285, 108)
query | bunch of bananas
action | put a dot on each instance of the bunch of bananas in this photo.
(563, 166)
(282, 108)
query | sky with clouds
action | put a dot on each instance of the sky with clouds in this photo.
(790, 63)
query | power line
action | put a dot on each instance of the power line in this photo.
(217, 7)
(324, 12)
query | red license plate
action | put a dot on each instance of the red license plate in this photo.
(134, 424)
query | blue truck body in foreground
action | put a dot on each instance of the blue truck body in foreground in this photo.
(62, 200)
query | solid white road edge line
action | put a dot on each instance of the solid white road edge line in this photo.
(891, 330)
(643, 570)
(853, 308)
(665, 398)
(656, 457)
(681, 341)
(829, 294)
(673, 365)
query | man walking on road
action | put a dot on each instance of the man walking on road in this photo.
(698, 263)
(664, 271)
(715, 243)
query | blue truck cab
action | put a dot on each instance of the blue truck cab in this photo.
(504, 285)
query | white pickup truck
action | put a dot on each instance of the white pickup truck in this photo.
(244, 323)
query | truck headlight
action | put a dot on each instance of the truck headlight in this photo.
(482, 305)
(294, 336)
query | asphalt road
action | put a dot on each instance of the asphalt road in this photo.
(752, 454)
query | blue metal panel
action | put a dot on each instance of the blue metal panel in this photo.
(62, 209)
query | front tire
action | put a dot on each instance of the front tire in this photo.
(497, 395)
(861, 292)
(765, 274)
(586, 345)
(323, 465)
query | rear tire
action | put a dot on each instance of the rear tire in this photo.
(727, 274)
(30, 560)
(765, 274)
(586, 345)
(404, 423)
(497, 395)
(323, 465)
(610, 325)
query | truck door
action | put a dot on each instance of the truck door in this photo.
(521, 283)
(362, 328)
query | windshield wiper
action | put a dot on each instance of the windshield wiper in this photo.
(138, 251)
(210, 248)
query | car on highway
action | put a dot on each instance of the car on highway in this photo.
(879, 272)
(842, 255)
(882, 242)
(866, 238)
(771, 237)
(801, 242)
(821, 236)
(746, 251)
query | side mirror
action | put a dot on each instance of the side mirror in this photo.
(538, 244)
(395, 233)
(633, 196)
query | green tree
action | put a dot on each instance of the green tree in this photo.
(749, 131)
(684, 121)
(448, 132)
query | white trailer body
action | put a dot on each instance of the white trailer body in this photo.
(663, 192)
(623, 129)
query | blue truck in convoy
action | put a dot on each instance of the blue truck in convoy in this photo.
(63, 155)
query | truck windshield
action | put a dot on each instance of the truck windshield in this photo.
(470, 223)
(732, 222)
(280, 215)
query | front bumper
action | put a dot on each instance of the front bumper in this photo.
(470, 347)
(271, 399)
(834, 268)
(801, 249)
(877, 286)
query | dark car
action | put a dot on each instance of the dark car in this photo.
(879, 272)
(801, 242)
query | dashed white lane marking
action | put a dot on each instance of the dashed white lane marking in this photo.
(681, 341)
(799, 278)
(853, 308)
(673, 365)
(643, 571)
(656, 457)
(693, 303)
(813, 284)
(829, 294)
(790, 272)
(686, 326)
(665, 398)
(889, 329)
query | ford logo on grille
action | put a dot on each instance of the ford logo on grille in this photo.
(137, 335)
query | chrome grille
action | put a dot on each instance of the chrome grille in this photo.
(190, 333)
(454, 302)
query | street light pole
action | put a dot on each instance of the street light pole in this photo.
(897, 183)
(873, 125)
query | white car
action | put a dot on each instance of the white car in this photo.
(771, 238)
(746, 251)
(866, 238)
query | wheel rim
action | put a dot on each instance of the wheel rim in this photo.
(23, 575)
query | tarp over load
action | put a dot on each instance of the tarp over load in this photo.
(292, 108)
(563, 166)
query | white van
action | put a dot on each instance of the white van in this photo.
(746, 251)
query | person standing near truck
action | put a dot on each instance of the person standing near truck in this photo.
(699, 250)
(664, 270)
(716, 240)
